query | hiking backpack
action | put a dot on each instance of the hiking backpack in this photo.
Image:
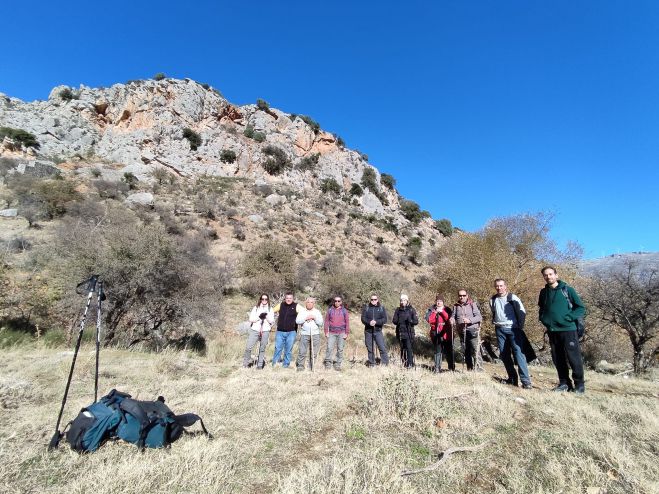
(148, 424)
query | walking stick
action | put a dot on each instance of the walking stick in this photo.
(91, 284)
(311, 346)
(464, 345)
(100, 298)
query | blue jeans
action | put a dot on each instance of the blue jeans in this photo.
(284, 340)
(510, 342)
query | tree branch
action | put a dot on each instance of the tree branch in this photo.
(443, 456)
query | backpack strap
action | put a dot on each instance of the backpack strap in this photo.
(133, 408)
(566, 294)
(189, 419)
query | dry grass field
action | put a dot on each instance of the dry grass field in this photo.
(354, 431)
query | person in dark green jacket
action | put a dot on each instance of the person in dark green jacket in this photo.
(560, 308)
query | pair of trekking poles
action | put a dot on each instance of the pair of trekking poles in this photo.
(92, 285)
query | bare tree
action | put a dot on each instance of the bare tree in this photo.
(628, 298)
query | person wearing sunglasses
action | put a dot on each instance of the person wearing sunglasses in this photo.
(374, 316)
(261, 317)
(468, 318)
(337, 329)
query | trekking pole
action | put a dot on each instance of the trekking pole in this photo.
(311, 346)
(54, 441)
(100, 297)
(464, 345)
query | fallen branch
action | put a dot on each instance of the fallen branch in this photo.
(443, 456)
(623, 372)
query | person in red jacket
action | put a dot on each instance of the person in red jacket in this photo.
(441, 333)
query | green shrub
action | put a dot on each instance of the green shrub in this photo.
(369, 179)
(193, 138)
(130, 179)
(206, 86)
(249, 131)
(67, 95)
(159, 76)
(339, 141)
(388, 181)
(259, 136)
(356, 190)
(411, 211)
(262, 104)
(96, 173)
(20, 136)
(309, 163)
(160, 175)
(277, 160)
(363, 156)
(444, 227)
(41, 199)
(330, 185)
(269, 267)
(315, 126)
(227, 156)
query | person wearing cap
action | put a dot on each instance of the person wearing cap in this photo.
(405, 318)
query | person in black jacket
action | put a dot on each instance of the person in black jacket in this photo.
(374, 316)
(405, 318)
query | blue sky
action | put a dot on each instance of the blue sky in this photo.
(478, 109)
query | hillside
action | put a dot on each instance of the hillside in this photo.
(178, 152)
(644, 260)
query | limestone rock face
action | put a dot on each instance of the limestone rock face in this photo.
(139, 126)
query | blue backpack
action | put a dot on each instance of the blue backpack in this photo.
(148, 424)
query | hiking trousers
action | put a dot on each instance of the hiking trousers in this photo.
(335, 341)
(510, 343)
(252, 339)
(442, 346)
(379, 341)
(303, 349)
(565, 351)
(472, 349)
(407, 352)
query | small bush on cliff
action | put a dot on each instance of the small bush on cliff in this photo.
(315, 126)
(67, 95)
(308, 163)
(159, 76)
(356, 190)
(444, 227)
(262, 104)
(330, 185)
(388, 181)
(412, 212)
(227, 156)
(277, 160)
(193, 138)
(20, 136)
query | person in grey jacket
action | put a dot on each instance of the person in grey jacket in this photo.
(467, 318)
(374, 316)
(311, 320)
(508, 317)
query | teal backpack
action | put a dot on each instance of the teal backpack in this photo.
(147, 424)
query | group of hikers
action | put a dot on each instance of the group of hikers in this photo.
(561, 311)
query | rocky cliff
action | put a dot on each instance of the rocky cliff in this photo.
(140, 126)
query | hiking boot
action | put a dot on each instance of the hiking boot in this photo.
(300, 369)
(328, 367)
(561, 388)
(337, 368)
(527, 386)
(511, 382)
(580, 389)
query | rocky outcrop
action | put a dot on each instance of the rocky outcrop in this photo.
(139, 126)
